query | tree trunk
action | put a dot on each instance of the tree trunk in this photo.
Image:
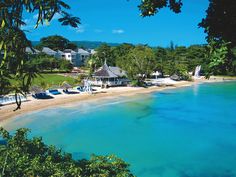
(18, 102)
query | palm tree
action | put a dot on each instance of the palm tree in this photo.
(69, 20)
(13, 40)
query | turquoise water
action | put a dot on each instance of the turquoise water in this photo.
(187, 132)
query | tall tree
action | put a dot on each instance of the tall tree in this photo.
(71, 46)
(104, 53)
(140, 63)
(120, 53)
(220, 23)
(56, 42)
(195, 56)
(220, 60)
(151, 7)
(13, 40)
(161, 56)
(92, 63)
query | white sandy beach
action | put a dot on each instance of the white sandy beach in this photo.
(32, 104)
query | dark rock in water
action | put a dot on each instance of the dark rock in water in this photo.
(175, 77)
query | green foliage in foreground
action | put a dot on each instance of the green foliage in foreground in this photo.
(13, 40)
(21, 156)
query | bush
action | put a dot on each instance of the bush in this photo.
(81, 77)
(186, 77)
(44, 85)
(138, 83)
(65, 65)
(20, 156)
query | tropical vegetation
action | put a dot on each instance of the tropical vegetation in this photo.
(45, 63)
(13, 40)
(141, 61)
(219, 25)
(55, 43)
(21, 156)
(48, 80)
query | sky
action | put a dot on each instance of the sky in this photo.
(119, 21)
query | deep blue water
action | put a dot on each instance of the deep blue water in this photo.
(186, 132)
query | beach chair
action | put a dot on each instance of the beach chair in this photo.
(54, 92)
(42, 95)
(80, 88)
(66, 91)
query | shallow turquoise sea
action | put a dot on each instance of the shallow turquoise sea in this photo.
(185, 132)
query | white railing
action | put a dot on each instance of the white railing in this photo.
(109, 83)
(4, 100)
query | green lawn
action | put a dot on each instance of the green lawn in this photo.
(48, 80)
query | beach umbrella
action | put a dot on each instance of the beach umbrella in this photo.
(54, 87)
(175, 77)
(36, 89)
(156, 74)
(66, 86)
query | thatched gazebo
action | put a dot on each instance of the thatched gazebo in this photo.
(110, 76)
(66, 86)
(36, 89)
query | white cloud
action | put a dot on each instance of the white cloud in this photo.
(26, 20)
(118, 31)
(98, 31)
(31, 23)
(79, 29)
(56, 16)
(27, 27)
(35, 16)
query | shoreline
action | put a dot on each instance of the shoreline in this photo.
(7, 113)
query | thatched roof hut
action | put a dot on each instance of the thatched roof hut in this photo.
(66, 86)
(109, 72)
(36, 89)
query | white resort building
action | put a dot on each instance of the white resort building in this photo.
(83, 54)
(32, 51)
(59, 54)
(76, 57)
(49, 51)
(109, 76)
(71, 56)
